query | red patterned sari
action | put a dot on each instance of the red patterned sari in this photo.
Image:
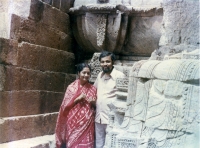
(75, 123)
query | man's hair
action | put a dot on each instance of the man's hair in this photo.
(80, 67)
(105, 54)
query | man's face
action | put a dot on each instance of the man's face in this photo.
(106, 64)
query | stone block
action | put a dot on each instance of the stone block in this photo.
(55, 81)
(143, 35)
(69, 79)
(7, 7)
(17, 78)
(56, 3)
(65, 5)
(39, 33)
(36, 9)
(56, 19)
(23, 127)
(45, 59)
(8, 51)
(180, 21)
(23, 103)
(47, 141)
(47, 1)
(180, 70)
(2, 77)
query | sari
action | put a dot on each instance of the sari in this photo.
(75, 122)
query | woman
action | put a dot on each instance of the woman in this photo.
(75, 123)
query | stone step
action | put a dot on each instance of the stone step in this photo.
(38, 12)
(121, 95)
(17, 78)
(23, 127)
(47, 141)
(17, 103)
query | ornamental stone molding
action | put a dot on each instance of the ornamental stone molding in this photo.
(162, 105)
(114, 26)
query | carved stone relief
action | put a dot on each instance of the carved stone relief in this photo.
(162, 109)
(101, 28)
(103, 25)
(95, 67)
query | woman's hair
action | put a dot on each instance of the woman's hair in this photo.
(105, 54)
(80, 67)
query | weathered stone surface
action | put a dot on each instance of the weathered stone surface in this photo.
(183, 70)
(135, 3)
(147, 3)
(162, 107)
(46, 141)
(18, 7)
(36, 66)
(39, 33)
(65, 5)
(8, 51)
(122, 29)
(23, 103)
(56, 3)
(69, 79)
(56, 19)
(170, 50)
(180, 23)
(22, 127)
(143, 35)
(36, 9)
(42, 58)
(17, 78)
(2, 77)
(48, 1)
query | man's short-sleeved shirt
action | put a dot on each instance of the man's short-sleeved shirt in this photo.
(106, 88)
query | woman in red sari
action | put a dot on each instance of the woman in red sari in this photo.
(75, 123)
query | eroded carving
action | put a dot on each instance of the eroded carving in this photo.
(164, 109)
(101, 28)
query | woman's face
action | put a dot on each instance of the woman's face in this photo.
(84, 75)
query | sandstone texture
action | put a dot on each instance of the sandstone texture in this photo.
(46, 141)
(37, 64)
(23, 127)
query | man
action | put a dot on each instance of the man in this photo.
(106, 88)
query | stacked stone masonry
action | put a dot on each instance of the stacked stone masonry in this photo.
(36, 66)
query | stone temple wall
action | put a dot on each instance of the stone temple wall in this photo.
(158, 102)
(36, 65)
(180, 27)
(162, 106)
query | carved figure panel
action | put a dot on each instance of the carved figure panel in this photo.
(162, 105)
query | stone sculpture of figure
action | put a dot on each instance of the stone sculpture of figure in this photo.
(75, 123)
(106, 88)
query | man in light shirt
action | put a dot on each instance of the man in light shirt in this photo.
(106, 88)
